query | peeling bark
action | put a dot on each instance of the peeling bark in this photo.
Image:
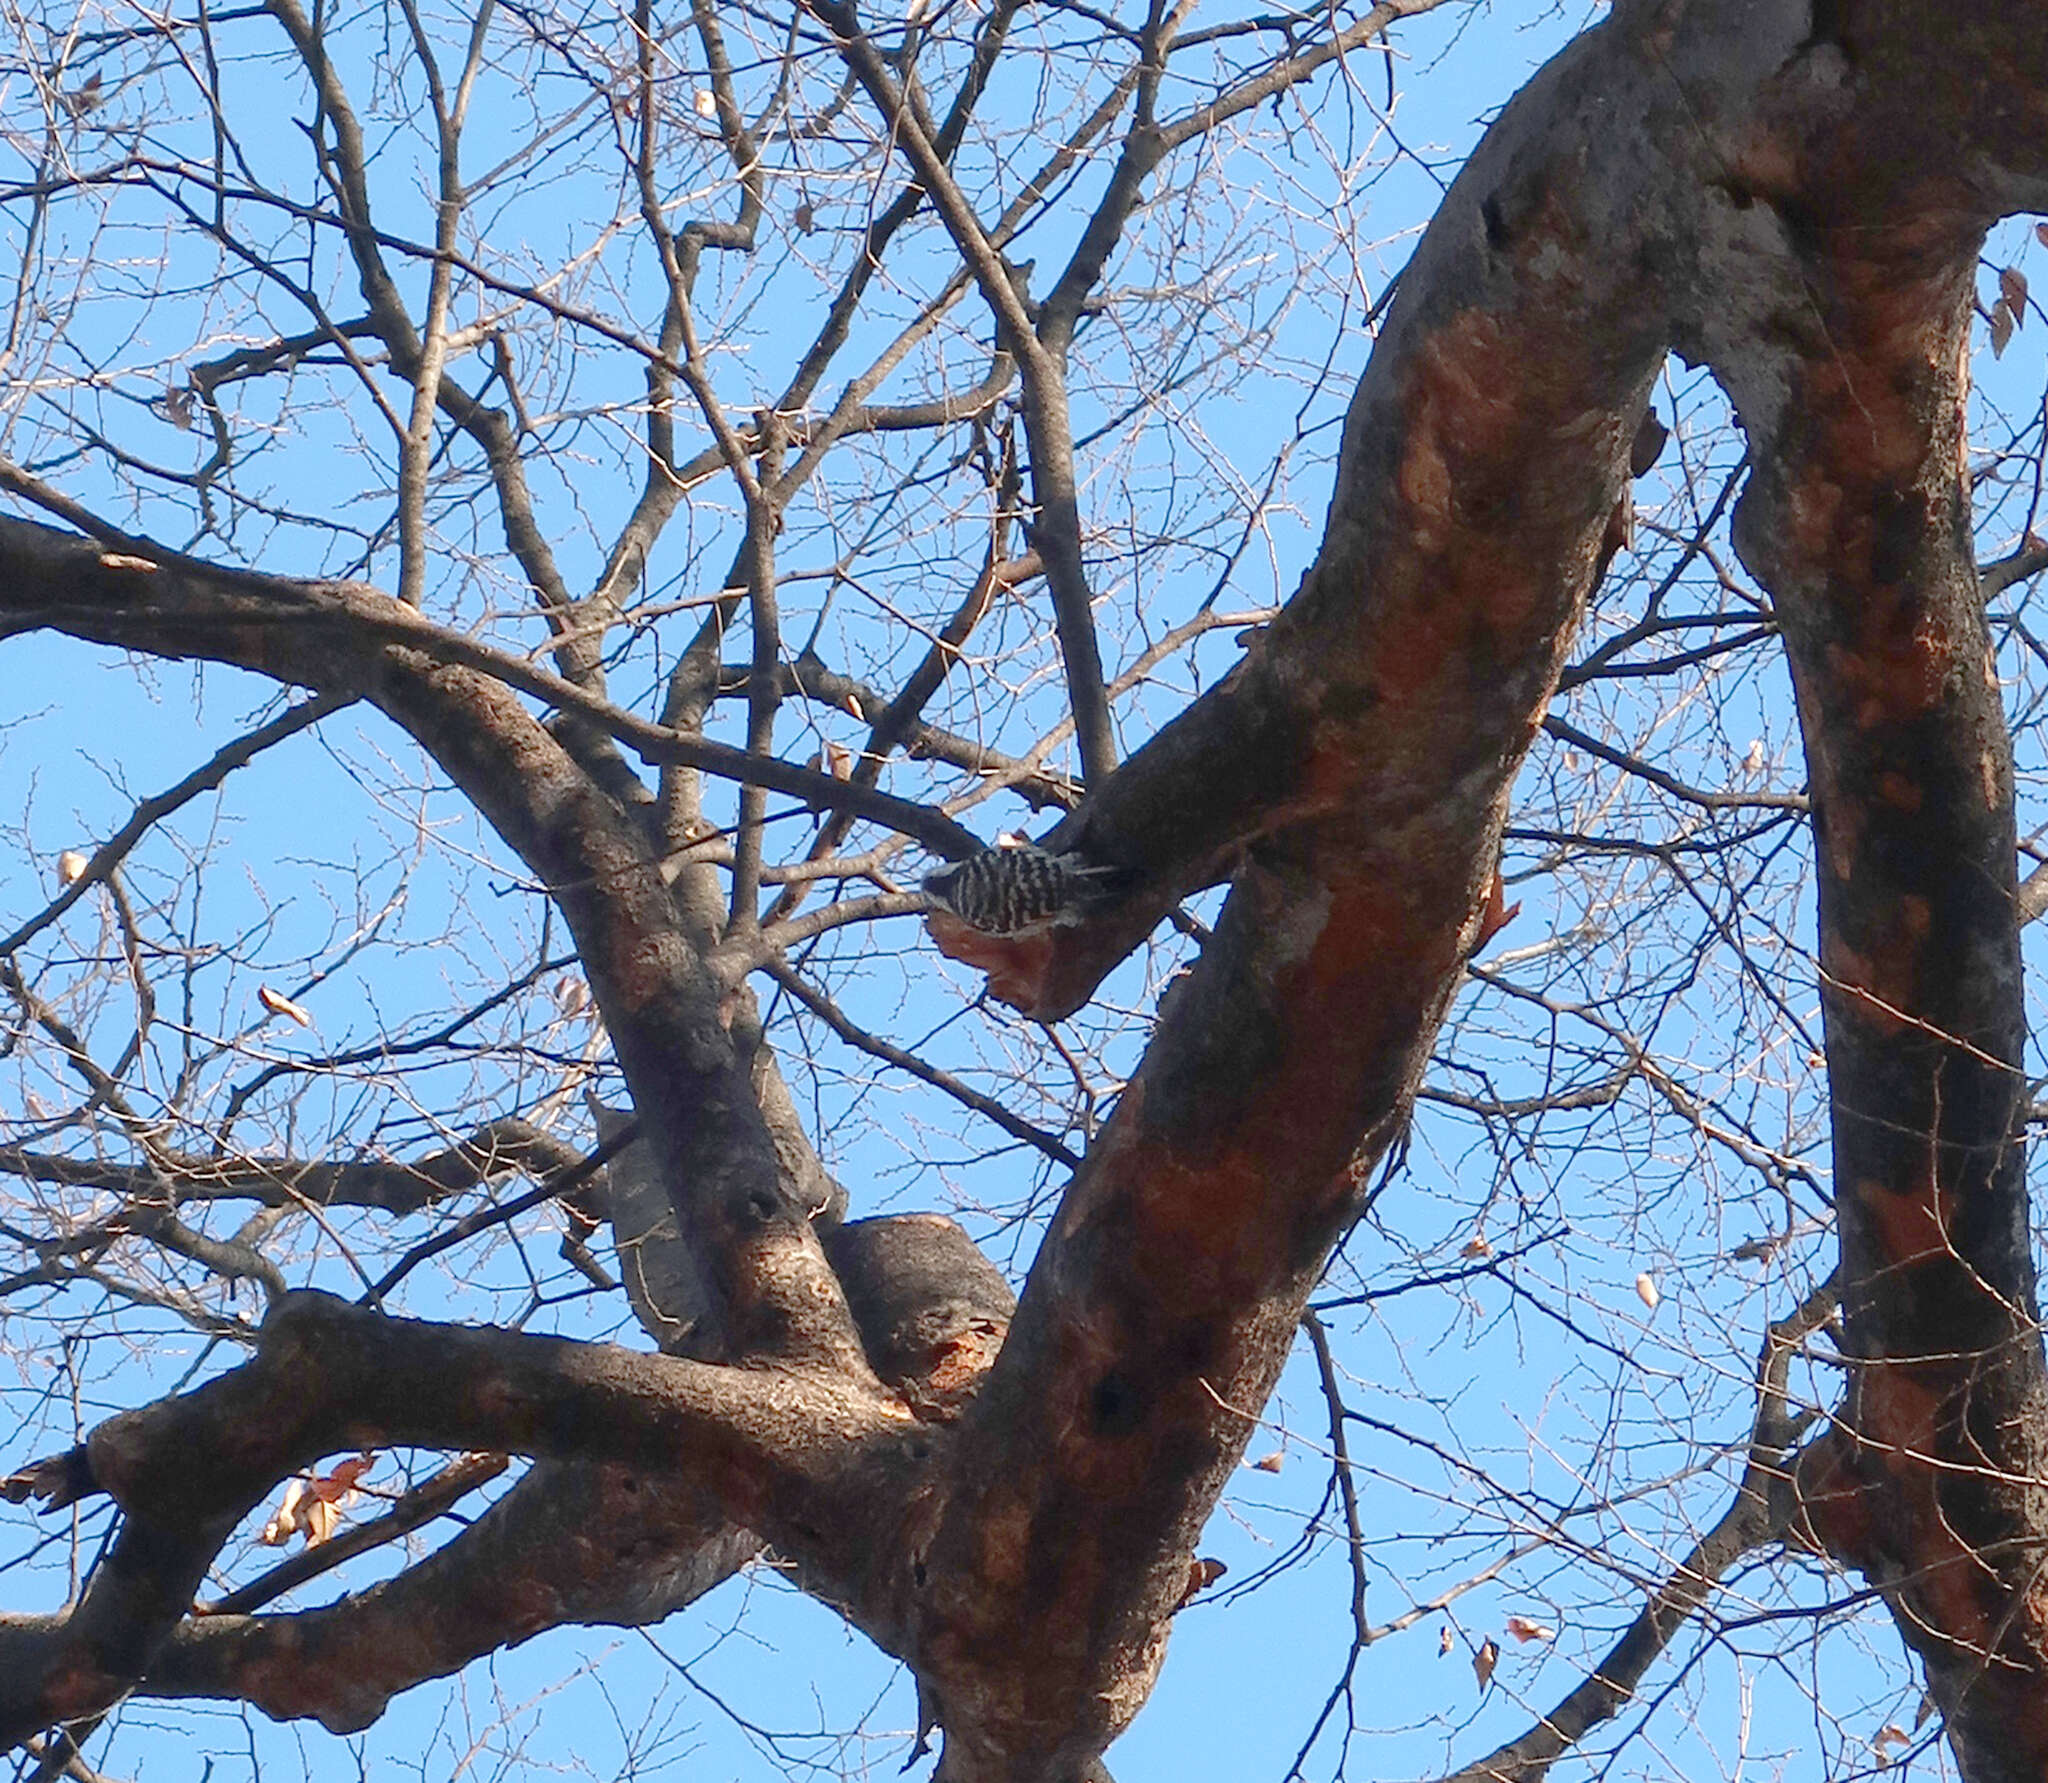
(1857, 519)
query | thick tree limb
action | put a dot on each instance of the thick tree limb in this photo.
(1850, 381)
(574, 1541)
(389, 1186)
(774, 1451)
(577, 1541)
(665, 1012)
(1356, 764)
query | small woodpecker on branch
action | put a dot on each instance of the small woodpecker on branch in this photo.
(1017, 889)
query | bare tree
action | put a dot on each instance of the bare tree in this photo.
(636, 475)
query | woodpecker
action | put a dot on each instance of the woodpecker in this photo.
(1016, 890)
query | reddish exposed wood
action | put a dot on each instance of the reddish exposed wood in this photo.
(1934, 1482)
(1794, 194)
(1015, 965)
(932, 1310)
(1355, 762)
(1358, 761)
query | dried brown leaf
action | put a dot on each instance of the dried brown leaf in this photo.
(279, 1004)
(1648, 445)
(2012, 287)
(1484, 1661)
(2001, 327)
(286, 1520)
(1201, 1575)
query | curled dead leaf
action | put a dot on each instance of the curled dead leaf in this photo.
(1648, 445)
(345, 1477)
(572, 995)
(1444, 1643)
(1269, 1463)
(279, 1004)
(121, 560)
(1497, 914)
(81, 101)
(1646, 1290)
(283, 1522)
(311, 1504)
(1621, 525)
(2001, 327)
(1484, 1661)
(71, 866)
(1475, 1247)
(704, 103)
(2012, 286)
(318, 1522)
(1524, 1630)
(1201, 1575)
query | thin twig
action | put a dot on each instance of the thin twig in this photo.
(422, 1504)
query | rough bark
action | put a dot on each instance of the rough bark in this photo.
(776, 1449)
(668, 1014)
(574, 1541)
(1851, 382)
(582, 1541)
(1793, 196)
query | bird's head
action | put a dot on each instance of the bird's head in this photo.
(940, 882)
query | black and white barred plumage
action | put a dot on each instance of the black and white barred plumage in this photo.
(1017, 890)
